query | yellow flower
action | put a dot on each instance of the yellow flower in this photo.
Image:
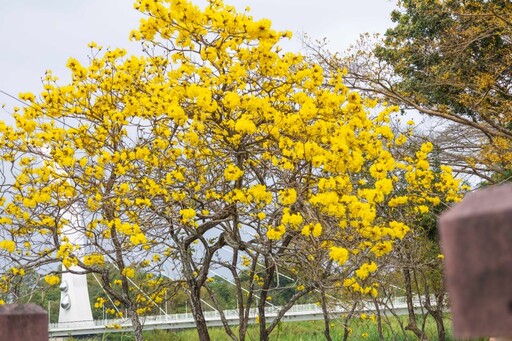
(365, 270)
(400, 140)
(52, 279)
(399, 229)
(246, 261)
(427, 147)
(138, 238)
(128, 272)
(16, 271)
(400, 200)
(94, 259)
(245, 125)
(339, 254)
(187, 214)
(8, 245)
(275, 233)
(421, 209)
(293, 220)
(382, 248)
(231, 100)
(317, 230)
(232, 172)
(288, 196)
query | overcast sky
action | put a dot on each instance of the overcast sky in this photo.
(39, 35)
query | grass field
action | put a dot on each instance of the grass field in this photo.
(313, 331)
(297, 331)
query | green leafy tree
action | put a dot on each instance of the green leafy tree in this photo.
(450, 60)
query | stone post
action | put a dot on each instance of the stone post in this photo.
(476, 240)
(23, 322)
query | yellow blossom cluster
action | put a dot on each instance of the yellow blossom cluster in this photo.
(8, 245)
(128, 272)
(100, 302)
(365, 270)
(52, 279)
(94, 259)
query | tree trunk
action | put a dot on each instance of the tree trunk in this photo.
(263, 325)
(346, 330)
(437, 314)
(197, 312)
(327, 327)
(411, 325)
(270, 270)
(244, 311)
(438, 317)
(223, 319)
(137, 326)
(379, 319)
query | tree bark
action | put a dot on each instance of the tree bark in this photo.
(137, 326)
(270, 267)
(346, 330)
(261, 311)
(327, 328)
(379, 319)
(246, 310)
(223, 319)
(438, 317)
(411, 325)
(197, 312)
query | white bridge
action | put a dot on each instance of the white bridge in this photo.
(299, 312)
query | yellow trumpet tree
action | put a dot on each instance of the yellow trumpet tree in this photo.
(215, 139)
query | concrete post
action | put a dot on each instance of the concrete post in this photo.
(22, 322)
(476, 239)
(74, 301)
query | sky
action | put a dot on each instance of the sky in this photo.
(36, 36)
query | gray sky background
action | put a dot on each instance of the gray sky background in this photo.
(39, 35)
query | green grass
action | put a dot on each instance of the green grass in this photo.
(296, 331)
(313, 331)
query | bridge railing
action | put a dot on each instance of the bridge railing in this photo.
(214, 315)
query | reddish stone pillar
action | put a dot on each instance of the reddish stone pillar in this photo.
(476, 239)
(23, 322)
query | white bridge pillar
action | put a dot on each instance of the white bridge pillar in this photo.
(74, 298)
(74, 293)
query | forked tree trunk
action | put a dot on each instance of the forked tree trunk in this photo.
(438, 317)
(411, 325)
(437, 313)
